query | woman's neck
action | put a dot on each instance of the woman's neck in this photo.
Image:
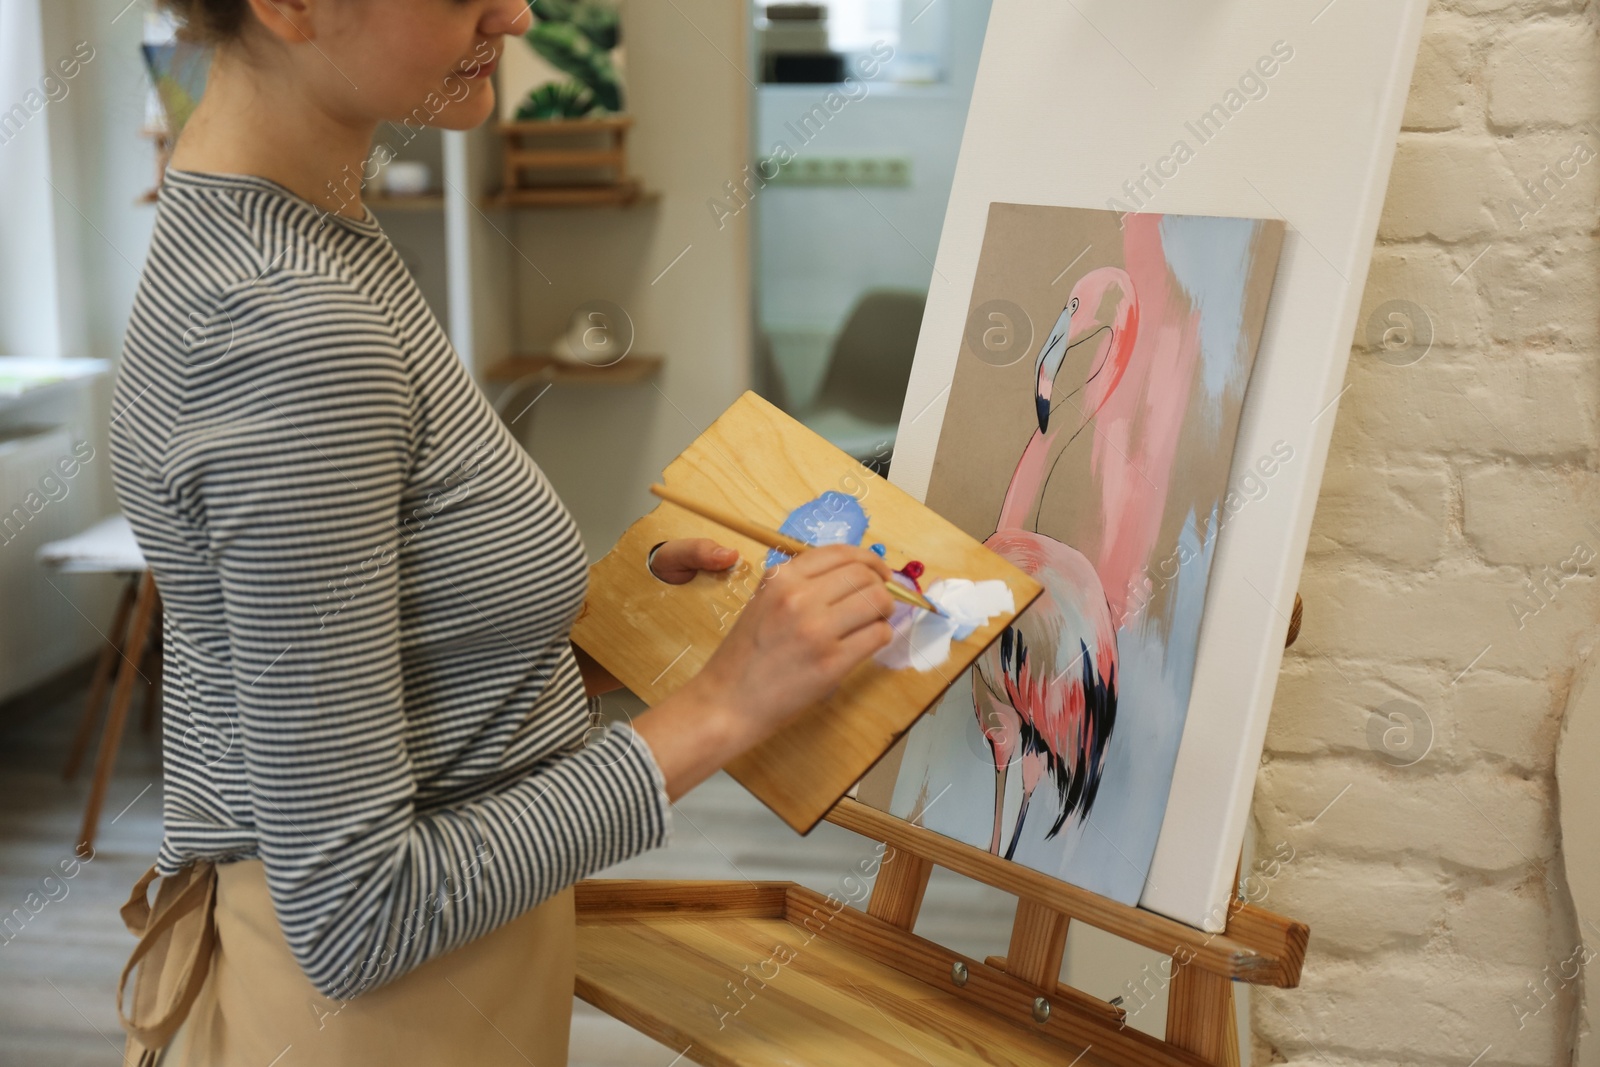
(247, 124)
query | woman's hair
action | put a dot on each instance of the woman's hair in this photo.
(208, 21)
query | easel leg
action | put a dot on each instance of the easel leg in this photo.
(1200, 1016)
(1038, 941)
(897, 892)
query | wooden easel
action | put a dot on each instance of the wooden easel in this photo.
(758, 974)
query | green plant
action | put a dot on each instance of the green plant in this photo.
(576, 37)
(557, 100)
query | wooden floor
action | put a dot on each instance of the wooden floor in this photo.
(58, 972)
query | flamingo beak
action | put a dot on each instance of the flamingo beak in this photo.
(1063, 338)
(1046, 365)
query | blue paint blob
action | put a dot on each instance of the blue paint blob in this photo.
(834, 518)
(879, 549)
(1211, 258)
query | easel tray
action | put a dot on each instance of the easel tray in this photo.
(758, 974)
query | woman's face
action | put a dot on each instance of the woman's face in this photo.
(422, 61)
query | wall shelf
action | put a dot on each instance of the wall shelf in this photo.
(419, 202)
(625, 194)
(578, 162)
(626, 371)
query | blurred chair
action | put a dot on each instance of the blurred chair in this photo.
(858, 405)
(108, 547)
(766, 377)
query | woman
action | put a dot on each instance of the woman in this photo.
(376, 724)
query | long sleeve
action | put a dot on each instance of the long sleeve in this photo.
(301, 461)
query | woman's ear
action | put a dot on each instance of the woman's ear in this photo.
(291, 21)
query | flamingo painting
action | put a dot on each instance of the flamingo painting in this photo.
(1046, 693)
(1098, 463)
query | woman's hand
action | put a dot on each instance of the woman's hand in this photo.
(811, 622)
(671, 561)
(678, 561)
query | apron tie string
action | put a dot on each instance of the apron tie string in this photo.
(176, 937)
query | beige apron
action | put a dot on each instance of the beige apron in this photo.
(215, 960)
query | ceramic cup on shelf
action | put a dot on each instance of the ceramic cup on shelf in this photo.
(405, 177)
(599, 334)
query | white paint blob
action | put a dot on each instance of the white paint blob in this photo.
(971, 604)
(922, 639)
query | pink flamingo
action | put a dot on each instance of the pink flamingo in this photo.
(1048, 687)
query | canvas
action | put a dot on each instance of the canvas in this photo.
(1088, 437)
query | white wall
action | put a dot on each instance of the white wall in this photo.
(1451, 601)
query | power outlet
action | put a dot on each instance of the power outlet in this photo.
(845, 170)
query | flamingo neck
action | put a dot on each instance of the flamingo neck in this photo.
(1124, 331)
(1026, 480)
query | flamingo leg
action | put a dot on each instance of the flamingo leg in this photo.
(1016, 832)
(999, 804)
(1002, 736)
(1034, 766)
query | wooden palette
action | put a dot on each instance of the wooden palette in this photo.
(759, 463)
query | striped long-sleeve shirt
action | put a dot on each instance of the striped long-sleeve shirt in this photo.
(368, 590)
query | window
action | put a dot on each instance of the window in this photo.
(819, 40)
(856, 25)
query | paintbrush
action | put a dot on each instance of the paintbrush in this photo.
(773, 539)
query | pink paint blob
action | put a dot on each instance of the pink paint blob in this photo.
(1139, 424)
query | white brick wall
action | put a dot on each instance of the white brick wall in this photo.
(1459, 496)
